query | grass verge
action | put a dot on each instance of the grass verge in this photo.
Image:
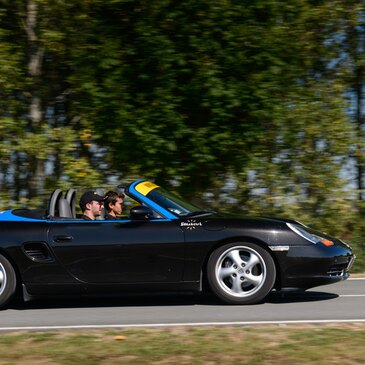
(284, 344)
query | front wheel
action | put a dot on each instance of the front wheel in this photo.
(241, 273)
(7, 281)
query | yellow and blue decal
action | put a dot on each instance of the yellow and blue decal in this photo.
(145, 187)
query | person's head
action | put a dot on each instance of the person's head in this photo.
(91, 204)
(113, 203)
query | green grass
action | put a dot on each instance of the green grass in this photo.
(306, 344)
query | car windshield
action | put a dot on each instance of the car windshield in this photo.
(169, 201)
(172, 202)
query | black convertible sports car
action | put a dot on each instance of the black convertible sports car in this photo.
(165, 244)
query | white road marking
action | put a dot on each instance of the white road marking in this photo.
(352, 295)
(200, 324)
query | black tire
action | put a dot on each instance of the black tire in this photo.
(241, 273)
(7, 281)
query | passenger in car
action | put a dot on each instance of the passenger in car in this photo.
(113, 204)
(91, 205)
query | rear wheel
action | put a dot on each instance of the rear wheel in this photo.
(7, 281)
(241, 273)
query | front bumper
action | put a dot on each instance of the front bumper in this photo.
(309, 266)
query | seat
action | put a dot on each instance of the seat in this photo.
(53, 203)
(64, 209)
(71, 199)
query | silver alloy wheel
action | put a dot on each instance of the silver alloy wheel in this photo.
(240, 271)
(2, 279)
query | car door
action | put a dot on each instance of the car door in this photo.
(119, 251)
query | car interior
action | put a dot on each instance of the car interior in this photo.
(64, 207)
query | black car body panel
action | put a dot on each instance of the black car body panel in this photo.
(171, 250)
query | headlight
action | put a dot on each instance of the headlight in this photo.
(311, 237)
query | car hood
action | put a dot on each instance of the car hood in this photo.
(234, 217)
(223, 221)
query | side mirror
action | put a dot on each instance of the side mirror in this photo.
(141, 212)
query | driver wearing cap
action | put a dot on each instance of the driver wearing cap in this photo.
(91, 205)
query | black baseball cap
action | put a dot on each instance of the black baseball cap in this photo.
(90, 196)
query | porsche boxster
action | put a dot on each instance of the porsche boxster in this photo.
(163, 244)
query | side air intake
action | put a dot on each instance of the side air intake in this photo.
(37, 251)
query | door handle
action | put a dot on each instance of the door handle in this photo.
(62, 238)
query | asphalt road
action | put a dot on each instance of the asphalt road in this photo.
(341, 302)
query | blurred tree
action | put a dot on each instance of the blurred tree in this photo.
(193, 94)
(308, 140)
(38, 140)
(179, 91)
(201, 95)
(350, 38)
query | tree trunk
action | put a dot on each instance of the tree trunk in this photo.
(35, 57)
